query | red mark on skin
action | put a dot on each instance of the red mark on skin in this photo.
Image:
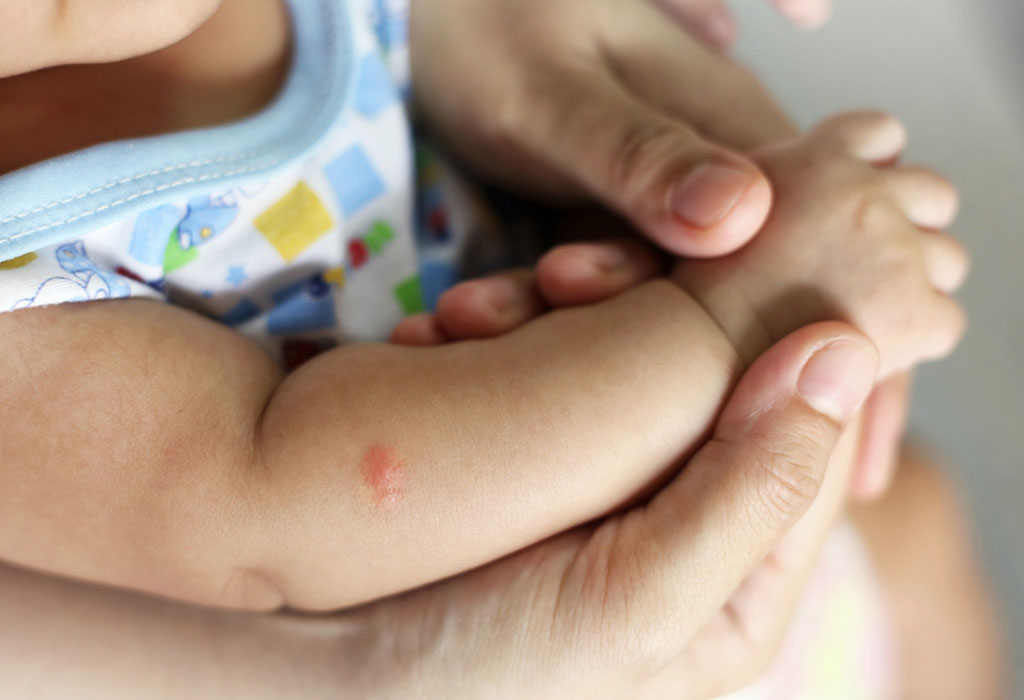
(384, 472)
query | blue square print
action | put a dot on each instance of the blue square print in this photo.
(354, 179)
(374, 92)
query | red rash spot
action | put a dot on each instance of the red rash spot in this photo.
(384, 472)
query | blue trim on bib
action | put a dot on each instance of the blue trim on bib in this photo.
(68, 196)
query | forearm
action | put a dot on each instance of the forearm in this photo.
(148, 448)
(434, 461)
(62, 639)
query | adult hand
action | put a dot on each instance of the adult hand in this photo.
(652, 595)
(687, 593)
(607, 99)
(623, 108)
(885, 421)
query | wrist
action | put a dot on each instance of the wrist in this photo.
(737, 317)
(703, 315)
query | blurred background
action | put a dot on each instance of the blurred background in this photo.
(953, 70)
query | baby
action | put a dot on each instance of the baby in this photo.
(233, 208)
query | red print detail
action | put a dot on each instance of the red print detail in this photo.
(125, 272)
(358, 253)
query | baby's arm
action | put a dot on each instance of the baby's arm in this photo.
(146, 447)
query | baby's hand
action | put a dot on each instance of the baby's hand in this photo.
(569, 275)
(849, 238)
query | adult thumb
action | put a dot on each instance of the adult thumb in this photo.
(690, 196)
(706, 531)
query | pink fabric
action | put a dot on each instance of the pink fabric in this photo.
(840, 645)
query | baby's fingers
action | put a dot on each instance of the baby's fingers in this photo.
(875, 137)
(945, 260)
(946, 325)
(480, 308)
(569, 275)
(585, 273)
(926, 198)
(490, 306)
(421, 330)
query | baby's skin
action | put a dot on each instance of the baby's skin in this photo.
(376, 468)
(343, 481)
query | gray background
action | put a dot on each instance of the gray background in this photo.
(953, 70)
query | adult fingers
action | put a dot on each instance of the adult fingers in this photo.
(744, 636)
(760, 472)
(585, 273)
(885, 419)
(664, 66)
(806, 14)
(688, 195)
(710, 20)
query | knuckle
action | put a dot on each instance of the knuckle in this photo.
(789, 477)
(506, 126)
(517, 113)
(639, 149)
(868, 213)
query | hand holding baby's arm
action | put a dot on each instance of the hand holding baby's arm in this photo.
(820, 257)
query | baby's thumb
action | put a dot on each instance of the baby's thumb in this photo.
(688, 195)
(761, 470)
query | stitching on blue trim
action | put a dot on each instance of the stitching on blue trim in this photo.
(127, 180)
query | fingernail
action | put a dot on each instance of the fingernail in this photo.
(603, 258)
(709, 193)
(838, 377)
(809, 14)
(503, 294)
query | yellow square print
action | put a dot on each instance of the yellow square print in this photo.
(295, 221)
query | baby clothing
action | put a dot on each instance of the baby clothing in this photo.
(840, 644)
(296, 226)
(301, 228)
